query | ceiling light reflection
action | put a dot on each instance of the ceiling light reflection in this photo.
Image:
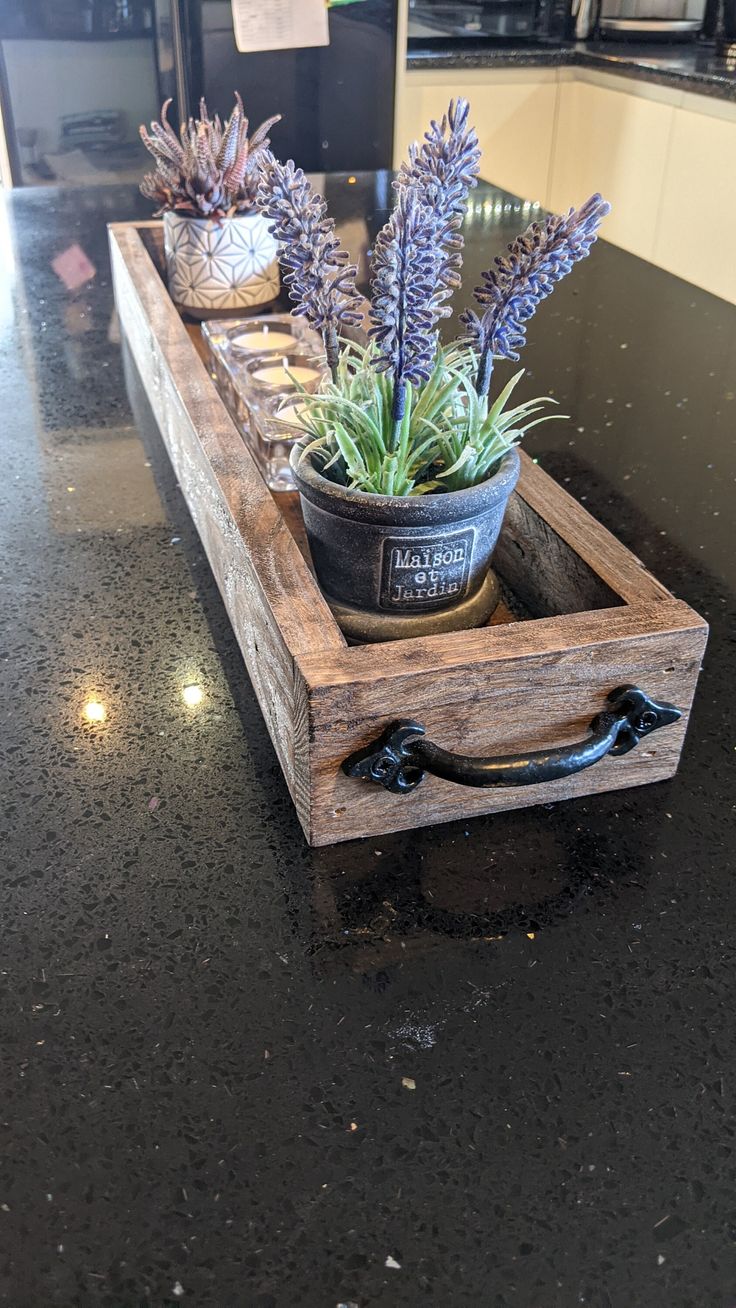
(192, 695)
(94, 711)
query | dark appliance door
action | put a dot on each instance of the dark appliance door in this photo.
(337, 101)
(76, 79)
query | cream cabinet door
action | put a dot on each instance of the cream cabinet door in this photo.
(666, 159)
(614, 142)
(513, 111)
(695, 231)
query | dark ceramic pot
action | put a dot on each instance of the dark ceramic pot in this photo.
(393, 566)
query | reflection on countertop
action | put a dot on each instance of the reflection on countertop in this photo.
(688, 66)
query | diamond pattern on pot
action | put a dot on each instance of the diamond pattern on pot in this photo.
(226, 265)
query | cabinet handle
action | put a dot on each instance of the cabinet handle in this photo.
(400, 758)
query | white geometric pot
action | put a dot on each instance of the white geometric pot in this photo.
(225, 264)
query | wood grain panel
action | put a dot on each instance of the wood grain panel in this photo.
(421, 662)
(179, 386)
(592, 542)
(272, 600)
(498, 706)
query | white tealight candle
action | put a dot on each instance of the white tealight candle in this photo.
(265, 341)
(292, 413)
(285, 374)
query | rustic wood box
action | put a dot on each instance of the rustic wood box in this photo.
(582, 615)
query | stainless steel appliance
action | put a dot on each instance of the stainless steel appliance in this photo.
(641, 20)
(585, 16)
(449, 23)
(337, 100)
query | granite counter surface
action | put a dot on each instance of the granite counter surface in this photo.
(685, 66)
(489, 1063)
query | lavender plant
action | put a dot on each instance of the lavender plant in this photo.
(320, 277)
(447, 440)
(442, 170)
(403, 416)
(209, 170)
(513, 288)
(418, 254)
(409, 286)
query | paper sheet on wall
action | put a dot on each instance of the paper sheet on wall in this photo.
(279, 24)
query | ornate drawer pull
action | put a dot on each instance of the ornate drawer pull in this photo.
(401, 757)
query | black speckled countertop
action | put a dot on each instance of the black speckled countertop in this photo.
(685, 66)
(487, 1064)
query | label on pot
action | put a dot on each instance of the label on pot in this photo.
(425, 572)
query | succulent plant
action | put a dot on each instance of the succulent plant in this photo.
(211, 169)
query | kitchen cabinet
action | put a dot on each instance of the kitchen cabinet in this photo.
(700, 184)
(615, 142)
(665, 158)
(514, 114)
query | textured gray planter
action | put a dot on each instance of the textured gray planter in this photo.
(392, 566)
(224, 266)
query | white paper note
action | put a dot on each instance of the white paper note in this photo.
(279, 24)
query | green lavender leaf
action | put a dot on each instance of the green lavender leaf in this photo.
(449, 437)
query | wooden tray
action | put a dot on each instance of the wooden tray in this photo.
(582, 617)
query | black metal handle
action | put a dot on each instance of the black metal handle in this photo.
(400, 758)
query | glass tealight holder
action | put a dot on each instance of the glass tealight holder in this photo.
(277, 333)
(271, 388)
(230, 345)
(214, 334)
(278, 429)
(254, 402)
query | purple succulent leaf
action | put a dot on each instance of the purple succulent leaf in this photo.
(234, 175)
(202, 150)
(166, 129)
(229, 147)
(259, 140)
(160, 150)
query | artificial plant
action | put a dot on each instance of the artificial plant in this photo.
(211, 169)
(402, 415)
(319, 275)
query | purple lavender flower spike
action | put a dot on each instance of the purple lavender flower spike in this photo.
(442, 170)
(407, 294)
(516, 284)
(320, 279)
